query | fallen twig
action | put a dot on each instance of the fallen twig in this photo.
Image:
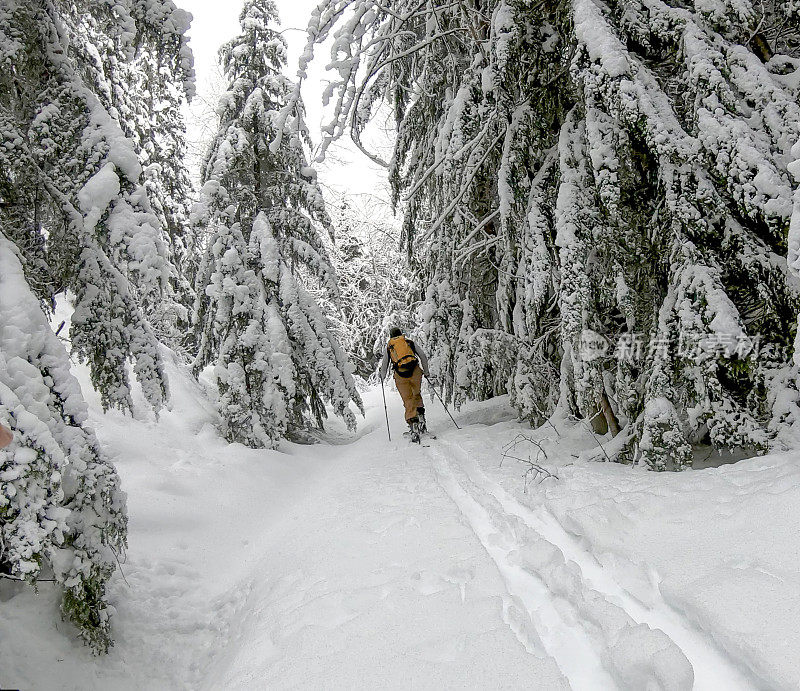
(535, 469)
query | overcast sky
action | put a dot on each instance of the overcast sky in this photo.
(216, 21)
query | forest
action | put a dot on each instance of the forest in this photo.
(595, 222)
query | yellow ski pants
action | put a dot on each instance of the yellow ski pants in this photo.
(410, 389)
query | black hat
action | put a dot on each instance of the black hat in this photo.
(394, 332)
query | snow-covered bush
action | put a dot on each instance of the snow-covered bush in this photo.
(61, 509)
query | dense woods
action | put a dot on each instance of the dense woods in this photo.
(597, 202)
(596, 205)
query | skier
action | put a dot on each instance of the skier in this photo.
(409, 363)
(5, 437)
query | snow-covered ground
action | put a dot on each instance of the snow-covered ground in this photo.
(364, 563)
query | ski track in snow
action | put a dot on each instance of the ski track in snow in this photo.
(527, 594)
(580, 634)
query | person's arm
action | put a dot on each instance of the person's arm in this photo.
(6, 437)
(384, 365)
(423, 361)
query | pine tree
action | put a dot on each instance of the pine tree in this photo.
(144, 74)
(60, 502)
(275, 361)
(586, 177)
(375, 290)
(72, 196)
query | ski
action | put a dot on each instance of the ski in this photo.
(422, 440)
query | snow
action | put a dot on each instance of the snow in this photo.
(120, 149)
(503, 29)
(98, 192)
(366, 563)
(308, 172)
(592, 31)
(793, 239)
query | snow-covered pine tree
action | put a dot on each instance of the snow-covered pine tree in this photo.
(144, 74)
(275, 360)
(61, 509)
(584, 176)
(375, 292)
(71, 195)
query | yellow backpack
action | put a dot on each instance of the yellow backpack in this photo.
(401, 355)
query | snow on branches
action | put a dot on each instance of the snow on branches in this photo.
(91, 192)
(72, 185)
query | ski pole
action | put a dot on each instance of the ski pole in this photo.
(444, 404)
(385, 410)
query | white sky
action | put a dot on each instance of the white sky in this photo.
(346, 170)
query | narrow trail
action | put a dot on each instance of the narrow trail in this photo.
(373, 580)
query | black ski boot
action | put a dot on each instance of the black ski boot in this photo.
(413, 425)
(423, 427)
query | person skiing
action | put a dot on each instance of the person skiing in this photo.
(409, 363)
